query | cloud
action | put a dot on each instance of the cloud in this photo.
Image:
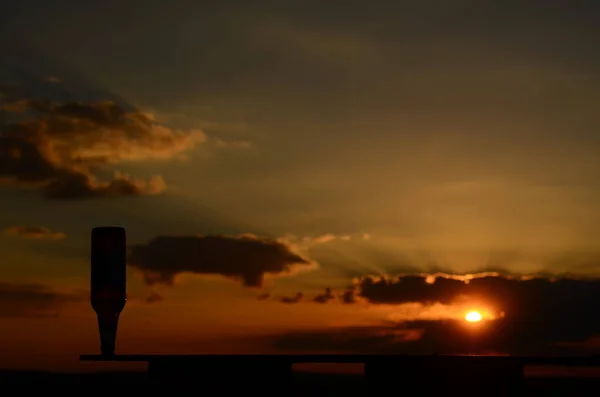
(292, 299)
(537, 313)
(246, 258)
(322, 298)
(522, 315)
(505, 336)
(263, 297)
(349, 296)
(304, 243)
(328, 237)
(325, 296)
(33, 300)
(34, 232)
(61, 148)
(153, 297)
(358, 339)
(450, 288)
(233, 144)
(412, 337)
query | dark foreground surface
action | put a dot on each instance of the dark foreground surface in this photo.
(301, 384)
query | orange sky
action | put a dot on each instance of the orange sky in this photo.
(299, 177)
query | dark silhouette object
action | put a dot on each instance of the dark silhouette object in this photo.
(108, 282)
(436, 375)
(222, 373)
(465, 375)
(304, 384)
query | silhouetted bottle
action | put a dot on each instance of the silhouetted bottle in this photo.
(108, 282)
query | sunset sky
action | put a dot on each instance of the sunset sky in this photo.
(356, 178)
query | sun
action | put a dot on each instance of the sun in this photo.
(473, 317)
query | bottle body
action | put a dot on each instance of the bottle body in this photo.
(108, 282)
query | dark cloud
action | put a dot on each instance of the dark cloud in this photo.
(263, 297)
(246, 258)
(364, 339)
(292, 299)
(349, 296)
(507, 292)
(538, 315)
(34, 232)
(503, 336)
(153, 297)
(61, 147)
(530, 315)
(33, 300)
(321, 298)
(325, 296)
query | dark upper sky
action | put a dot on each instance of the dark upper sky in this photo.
(355, 140)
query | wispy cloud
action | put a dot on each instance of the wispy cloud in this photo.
(34, 300)
(34, 232)
(233, 144)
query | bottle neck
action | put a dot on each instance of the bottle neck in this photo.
(108, 323)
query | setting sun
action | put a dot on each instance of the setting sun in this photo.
(473, 317)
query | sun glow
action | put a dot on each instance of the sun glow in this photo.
(473, 317)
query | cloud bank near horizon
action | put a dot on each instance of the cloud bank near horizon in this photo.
(425, 314)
